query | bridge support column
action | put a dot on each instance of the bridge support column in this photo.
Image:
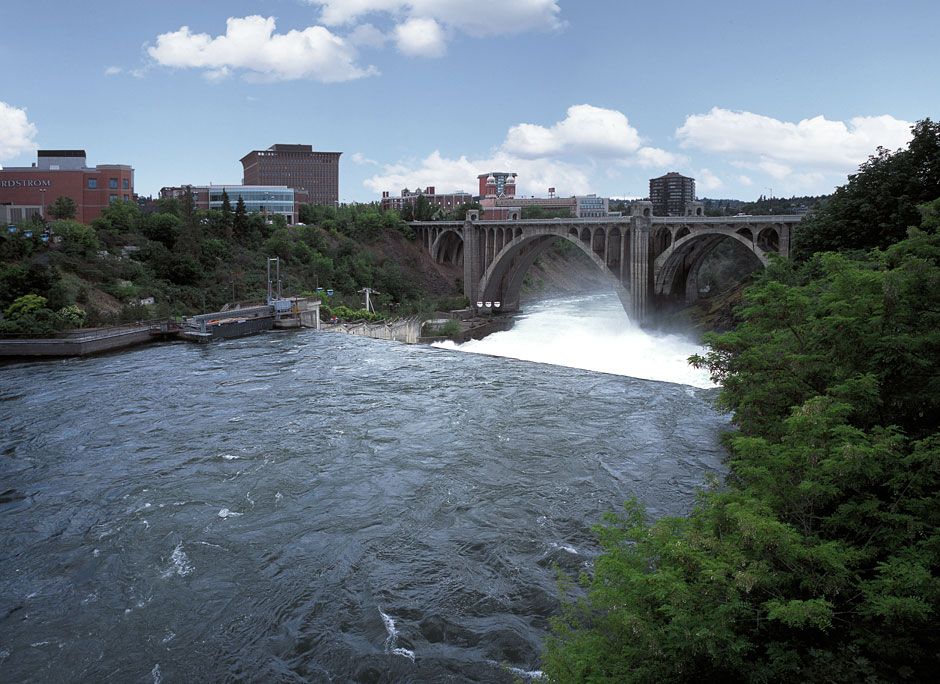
(474, 258)
(640, 230)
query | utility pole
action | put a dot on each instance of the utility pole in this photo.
(369, 291)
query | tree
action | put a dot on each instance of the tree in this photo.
(819, 559)
(190, 233)
(423, 209)
(64, 208)
(240, 228)
(879, 203)
(227, 216)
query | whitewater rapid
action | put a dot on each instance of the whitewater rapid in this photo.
(592, 332)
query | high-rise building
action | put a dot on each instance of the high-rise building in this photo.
(670, 193)
(30, 190)
(297, 167)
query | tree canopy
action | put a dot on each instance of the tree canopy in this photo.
(879, 203)
(819, 559)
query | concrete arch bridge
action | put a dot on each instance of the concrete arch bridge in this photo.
(647, 259)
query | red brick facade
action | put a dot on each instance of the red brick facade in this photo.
(91, 188)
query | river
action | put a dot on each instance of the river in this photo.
(312, 507)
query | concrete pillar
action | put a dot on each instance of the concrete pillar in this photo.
(474, 245)
(641, 228)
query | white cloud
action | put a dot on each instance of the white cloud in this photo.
(476, 18)
(816, 143)
(16, 132)
(420, 38)
(590, 131)
(360, 158)
(366, 35)
(569, 156)
(112, 71)
(451, 175)
(745, 180)
(707, 181)
(250, 44)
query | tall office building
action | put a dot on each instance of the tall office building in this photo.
(297, 167)
(670, 193)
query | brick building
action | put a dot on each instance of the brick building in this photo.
(30, 190)
(446, 201)
(497, 184)
(670, 194)
(298, 167)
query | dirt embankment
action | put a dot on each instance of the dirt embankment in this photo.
(438, 280)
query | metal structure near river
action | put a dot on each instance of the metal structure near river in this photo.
(649, 260)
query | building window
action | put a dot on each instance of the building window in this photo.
(127, 198)
(112, 198)
(92, 183)
(126, 184)
(113, 184)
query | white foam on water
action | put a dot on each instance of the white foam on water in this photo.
(226, 513)
(518, 671)
(592, 333)
(155, 673)
(229, 457)
(391, 640)
(181, 564)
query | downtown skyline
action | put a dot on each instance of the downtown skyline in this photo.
(595, 97)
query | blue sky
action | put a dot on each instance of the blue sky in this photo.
(585, 96)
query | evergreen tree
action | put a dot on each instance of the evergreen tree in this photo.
(228, 220)
(189, 239)
(240, 226)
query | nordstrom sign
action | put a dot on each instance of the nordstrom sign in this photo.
(25, 183)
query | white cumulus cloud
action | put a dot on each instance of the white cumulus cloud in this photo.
(16, 132)
(420, 38)
(567, 155)
(251, 44)
(595, 132)
(452, 175)
(422, 27)
(812, 145)
(476, 18)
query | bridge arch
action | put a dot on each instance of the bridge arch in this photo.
(447, 246)
(677, 268)
(503, 278)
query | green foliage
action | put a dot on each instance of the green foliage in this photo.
(447, 329)
(119, 216)
(819, 560)
(23, 305)
(77, 239)
(537, 212)
(879, 203)
(74, 315)
(64, 208)
(169, 206)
